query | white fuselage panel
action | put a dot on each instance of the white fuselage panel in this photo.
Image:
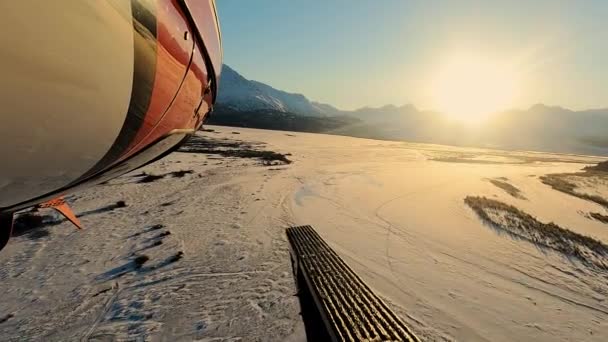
(65, 87)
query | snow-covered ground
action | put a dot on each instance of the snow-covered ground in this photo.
(394, 211)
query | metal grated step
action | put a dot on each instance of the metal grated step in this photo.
(348, 307)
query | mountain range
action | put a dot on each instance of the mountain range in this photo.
(244, 95)
(249, 103)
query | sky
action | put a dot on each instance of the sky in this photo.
(355, 53)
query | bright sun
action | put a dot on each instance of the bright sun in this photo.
(471, 89)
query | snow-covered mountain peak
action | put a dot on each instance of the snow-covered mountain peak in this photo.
(241, 94)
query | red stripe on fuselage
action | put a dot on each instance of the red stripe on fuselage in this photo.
(179, 112)
(166, 99)
(174, 50)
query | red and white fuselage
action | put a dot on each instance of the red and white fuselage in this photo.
(93, 89)
(87, 85)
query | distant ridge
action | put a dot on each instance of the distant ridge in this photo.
(248, 103)
(240, 94)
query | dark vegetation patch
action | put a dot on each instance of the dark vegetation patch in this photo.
(104, 209)
(152, 245)
(163, 234)
(600, 217)
(181, 173)
(518, 224)
(6, 318)
(149, 178)
(168, 261)
(279, 121)
(155, 227)
(507, 187)
(140, 260)
(176, 257)
(600, 167)
(158, 237)
(147, 230)
(558, 182)
(151, 242)
(157, 243)
(119, 271)
(234, 149)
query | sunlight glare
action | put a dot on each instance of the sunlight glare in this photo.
(471, 89)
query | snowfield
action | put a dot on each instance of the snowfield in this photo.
(198, 250)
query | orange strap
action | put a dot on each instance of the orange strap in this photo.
(64, 209)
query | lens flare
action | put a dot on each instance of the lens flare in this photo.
(471, 89)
